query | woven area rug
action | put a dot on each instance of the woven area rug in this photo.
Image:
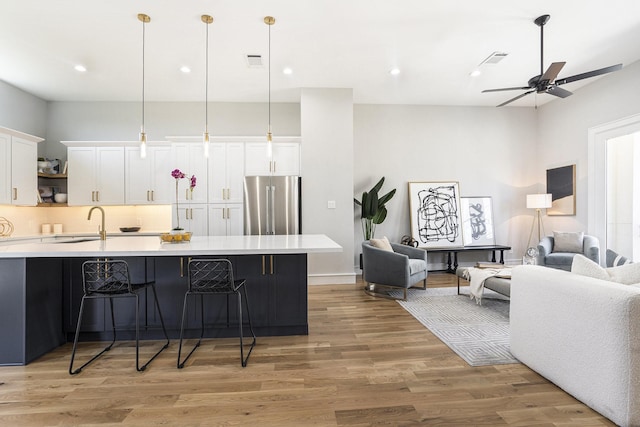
(477, 333)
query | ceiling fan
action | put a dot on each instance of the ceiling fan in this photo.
(546, 82)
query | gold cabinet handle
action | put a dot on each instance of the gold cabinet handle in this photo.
(148, 200)
(271, 263)
(97, 196)
(15, 193)
(263, 265)
(153, 196)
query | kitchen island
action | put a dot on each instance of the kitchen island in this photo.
(41, 288)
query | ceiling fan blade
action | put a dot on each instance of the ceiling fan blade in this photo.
(588, 74)
(515, 99)
(551, 73)
(505, 89)
(558, 91)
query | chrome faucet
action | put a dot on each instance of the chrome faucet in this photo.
(102, 230)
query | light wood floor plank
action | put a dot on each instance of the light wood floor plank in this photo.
(365, 362)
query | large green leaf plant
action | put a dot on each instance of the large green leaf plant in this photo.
(373, 210)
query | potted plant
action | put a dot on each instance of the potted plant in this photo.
(373, 210)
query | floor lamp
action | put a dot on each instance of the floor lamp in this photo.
(537, 202)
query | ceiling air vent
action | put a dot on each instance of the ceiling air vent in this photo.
(254, 61)
(494, 58)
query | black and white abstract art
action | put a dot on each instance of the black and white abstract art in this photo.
(435, 214)
(477, 221)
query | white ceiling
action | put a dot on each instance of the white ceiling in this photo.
(327, 43)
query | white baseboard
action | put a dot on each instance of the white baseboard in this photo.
(331, 279)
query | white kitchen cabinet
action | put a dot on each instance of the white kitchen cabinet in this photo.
(193, 218)
(189, 158)
(95, 175)
(285, 159)
(226, 172)
(226, 220)
(148, 181)
(18, 178)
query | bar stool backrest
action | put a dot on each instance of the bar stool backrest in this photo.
(211, 276)
(106, 277)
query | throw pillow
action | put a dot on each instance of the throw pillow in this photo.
(381, 244)
(626, 274)
(567, 242)
(585, 267)
(614, 259)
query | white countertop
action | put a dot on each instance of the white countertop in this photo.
(151, 246)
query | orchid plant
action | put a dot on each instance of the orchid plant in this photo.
(177, 174)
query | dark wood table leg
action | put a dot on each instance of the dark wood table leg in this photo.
(455, 262)
(493, 256)
(449, 262)
(501, 256)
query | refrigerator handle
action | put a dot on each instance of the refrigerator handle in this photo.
(268, 210)
(272, 224)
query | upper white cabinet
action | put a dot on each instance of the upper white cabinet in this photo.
(148, 181)
(18, 178)
(285, 159)
(189, 158)
(95, 175)
(226, 172)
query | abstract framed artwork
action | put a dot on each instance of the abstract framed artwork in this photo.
(561, 184)
(435, 214)
(477, 221)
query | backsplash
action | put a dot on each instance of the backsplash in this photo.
(27, 221)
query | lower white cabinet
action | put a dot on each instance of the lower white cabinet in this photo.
(192, 217)
(226, 220)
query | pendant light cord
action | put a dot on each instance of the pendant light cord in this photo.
(206, 84)
(143, 34)
(269, 78)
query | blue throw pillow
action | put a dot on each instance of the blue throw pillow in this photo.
(614, 259)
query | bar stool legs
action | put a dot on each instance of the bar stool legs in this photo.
(110, 279)
(238, 292)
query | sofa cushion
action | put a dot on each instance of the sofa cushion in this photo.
(627, 274)
(585, 267)
(381, 244)
(568, 242)
(614, 259)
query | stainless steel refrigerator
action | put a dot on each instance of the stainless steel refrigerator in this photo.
(272, 205)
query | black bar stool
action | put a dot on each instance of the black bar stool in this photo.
(215, 276)
(110, 279)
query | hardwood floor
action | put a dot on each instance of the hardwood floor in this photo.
(365, 362)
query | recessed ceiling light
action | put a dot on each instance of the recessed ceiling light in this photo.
(185, 69)
(81, 68)
(287, 71)
(394, 71)
(475, 73)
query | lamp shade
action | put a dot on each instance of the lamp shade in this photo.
(538, 201)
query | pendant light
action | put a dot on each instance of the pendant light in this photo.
(269, 20)
(143, 136)
(205, 137)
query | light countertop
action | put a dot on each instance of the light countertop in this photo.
(120, 246)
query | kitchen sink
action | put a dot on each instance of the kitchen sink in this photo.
(84, 239)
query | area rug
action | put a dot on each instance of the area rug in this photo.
(479, 334)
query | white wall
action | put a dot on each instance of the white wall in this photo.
(327, 175)
(22, 111)
(563, 127)
(489, 151)
(91, 121)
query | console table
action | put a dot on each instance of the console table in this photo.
(455, 250)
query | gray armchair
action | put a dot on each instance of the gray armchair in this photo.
(562, 260)
(402, 268)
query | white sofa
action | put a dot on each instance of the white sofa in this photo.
(581, 333)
